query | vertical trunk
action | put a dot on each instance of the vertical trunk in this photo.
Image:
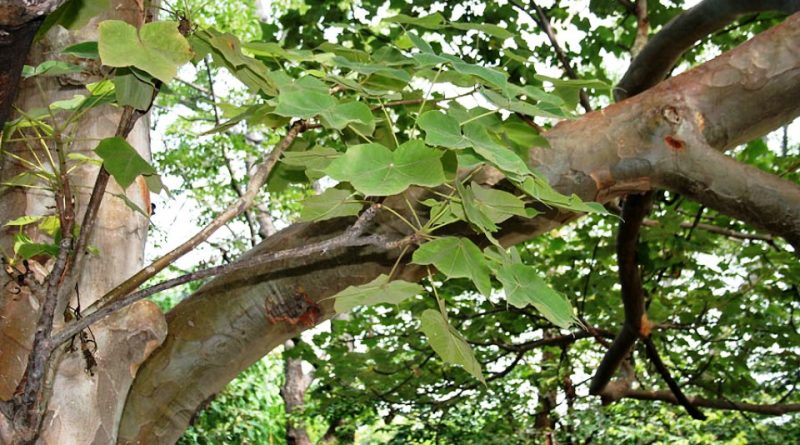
(85, 404)
(544, 422)
(293, 392)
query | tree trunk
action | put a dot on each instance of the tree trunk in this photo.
(296, 381)
(85, 404)
(636, 145)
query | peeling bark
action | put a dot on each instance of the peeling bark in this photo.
(634, 145)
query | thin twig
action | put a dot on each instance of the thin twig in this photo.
(655, 358)
(257, 180)
(543, 21)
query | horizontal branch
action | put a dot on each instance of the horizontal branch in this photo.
(736, 189)
(776, 409)
(350, 238)
(717, 230)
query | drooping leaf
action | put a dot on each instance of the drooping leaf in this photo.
(74, 14)
(431, 21)
(448, 343)
(442, 130)
(132, 91)
(497, 204)
(538, 188)
(24, 220)
(157, 48)
(26, 248)
(375, 170)
(380, 290)
(50, 68)
(304, 104)
(85, 50)
(499, 156)
(488, 28)
(456, 257)
(331, 203)
(355, 114)
(314, 161)
(122, 161)
(523, 286)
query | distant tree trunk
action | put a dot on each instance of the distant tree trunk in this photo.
(293, 392)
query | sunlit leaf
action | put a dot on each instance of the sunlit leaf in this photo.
(456, 257)
(375, 170)
(332, 203)
(380, 290)
(157, 47)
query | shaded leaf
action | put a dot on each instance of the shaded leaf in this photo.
(448, 343)
(523, 286)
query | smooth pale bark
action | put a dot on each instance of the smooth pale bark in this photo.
(83, 408)
(651, 140)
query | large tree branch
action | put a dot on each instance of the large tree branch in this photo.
(662, 52)
(776, 409)
(634, 210)
(221, 329)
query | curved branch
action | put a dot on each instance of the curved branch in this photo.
(665, 48)
(634, 210)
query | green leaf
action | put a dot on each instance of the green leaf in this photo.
(122, 161)
(24, 220)
(314, 161)
(50, 225)
(456, 257)
(74, 14)
(132, 91)
(355, 114)
(523, 286)
(25, 248)
(442, 130)
(497, 204)
(380, 290)
(375, 170)
(157, 47)
(304, 104)
(50, 68)
(538, 188)
(448, 343)
(487, 28)
(431, 21)
(85, 50)
(332, 203)
(499, 156)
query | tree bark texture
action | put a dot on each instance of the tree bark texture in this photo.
(671, 136)
(83, 408)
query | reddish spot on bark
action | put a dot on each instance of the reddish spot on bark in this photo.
(675, 144)
(300, 309)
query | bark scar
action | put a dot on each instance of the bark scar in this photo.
(299, 309)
